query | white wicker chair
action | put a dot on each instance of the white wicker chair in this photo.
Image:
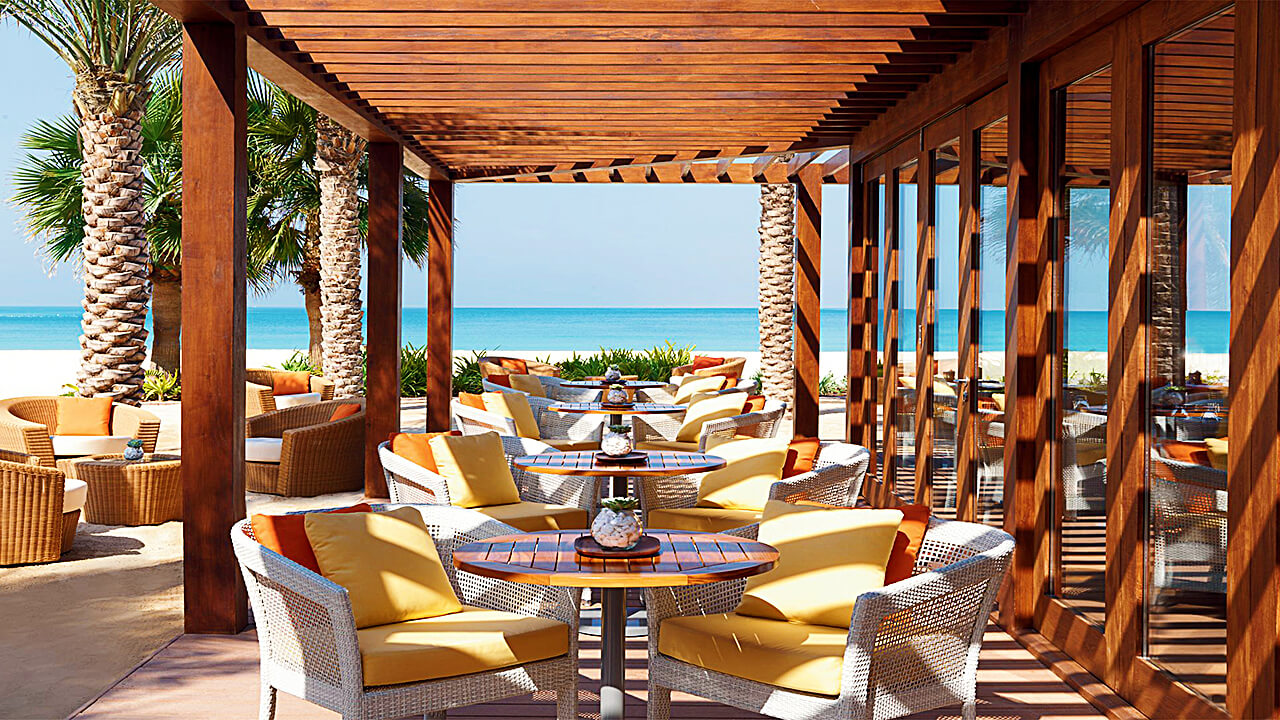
(1084, 487)
(307, 633)
(912, 646)
(667, 393)
(577, 427)
(836, 479)
(763, 424)
(409, 482)
(553, 387)
(1188, 526)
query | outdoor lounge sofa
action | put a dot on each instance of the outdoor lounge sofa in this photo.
(30, 425)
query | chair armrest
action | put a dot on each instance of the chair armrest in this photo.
(472, 421)
(836, 479)
(26, 437)
(408, 482)
(681, 370)
(136, 423)
(672, 492)
(257, 399)
(655, 427)
(20, 458)
(762, 424)
(583, 492)
(322, 385)
(338, 440)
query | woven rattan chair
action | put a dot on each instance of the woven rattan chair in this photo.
(912, 646)
(667, 393)
(1188, 526)
(409, 482)
(309, 648)
(836, 479)
(497, 365)
(28, 423)
(258, 383)
(665, 428)
(317, 456)
(35, 524)
(565, 430)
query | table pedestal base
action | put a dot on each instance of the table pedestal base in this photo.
(612, 652)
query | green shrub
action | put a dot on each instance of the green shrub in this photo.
(830, 385)
(413, 370)
(300, 362)
(466, 373)
(653, 364)
(160, 385)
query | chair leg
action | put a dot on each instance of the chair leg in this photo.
(969, 710)
(434, 715)
(659, 702)
(567, 702)
(267, 704)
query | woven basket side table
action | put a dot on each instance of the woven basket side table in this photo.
(121, 492)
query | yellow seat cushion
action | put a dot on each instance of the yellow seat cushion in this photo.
(386, 561)
(706, 407)
(998, 399)
(691, 385)
(475, 470)
(82, 416)
(752, 467)
(535, 516)
(472, 640)
(573, 445)
(1217, 452)
(668, 445)
(528, 384)
(700, 519)
(806, 658)
(1089, 452)
(827, 557)
(516, 407)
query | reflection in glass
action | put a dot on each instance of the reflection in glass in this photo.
(878, 189)
(1083, 233)
(993, 171)
(907, 371)
(1188, 300)
(946, 268)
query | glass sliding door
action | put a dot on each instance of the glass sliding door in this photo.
(908, 373)
(988, 430)
(946, 281)
(1188, 295)
(878, 191)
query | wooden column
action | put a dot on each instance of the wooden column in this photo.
(439, 304)
(860, 408)
(926, 318)
(382, 384)
(215, 185)
(1253, 466)
(889, 321)
(808, 277)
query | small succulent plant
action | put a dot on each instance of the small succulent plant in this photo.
(134, 443)
(620, 504)
(623, 429)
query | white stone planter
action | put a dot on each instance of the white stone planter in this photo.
(620, 530)
(617, 443)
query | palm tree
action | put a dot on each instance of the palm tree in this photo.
(338, 155)
(777, 288)
(114, 48)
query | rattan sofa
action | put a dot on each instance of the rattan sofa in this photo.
(659, 432)
(566, 431)
(38, 519)
(316, 456)
(27, 425)
(912, 646)
(259, 399)
(308, 641)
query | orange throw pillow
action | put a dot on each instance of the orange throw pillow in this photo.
(290, 383)
(801, 455)
(83, 416)
(906, 546)
(503, 380)
(755, 403)
(416, 448)
(471, 400)
(515, 365)
(1189, 452)
(287, 535)
(345, 410)
(702, 362)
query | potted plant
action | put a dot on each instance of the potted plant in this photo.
(617, 442)
(133, 450)
(613, 374)
(616, 526)
(616, 395)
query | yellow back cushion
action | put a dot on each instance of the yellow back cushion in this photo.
(516, 407)
(827, 557)
(998, 399)
(708, 406)
(753, 466)
(475, 469)
(691, 385)
(83, 416)
(386, 561)
(527, 383)
(1217, 452)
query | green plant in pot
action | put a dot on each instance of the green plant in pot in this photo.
(617, 395)
(133, 450)
(616, 526)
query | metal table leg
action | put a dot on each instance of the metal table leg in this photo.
(612, 652)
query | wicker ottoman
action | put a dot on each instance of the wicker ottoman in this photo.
(142, 492)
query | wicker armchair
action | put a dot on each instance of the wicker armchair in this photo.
(1084, 480)
(28, 423)
(497, 365)
(553, 387)
(258, 383)
(836, 479)
(37, 523)
(317, 456)
(667, 393)
(659, 431)
(565, 431)
(309, 646)
(409, 482)
(912, 646)
(1188, 526)
(731, 366)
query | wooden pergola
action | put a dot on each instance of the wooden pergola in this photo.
(866, 94)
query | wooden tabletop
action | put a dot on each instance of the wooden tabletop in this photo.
(584, 463)
(548, 558)
(595, 408)
(600, 384)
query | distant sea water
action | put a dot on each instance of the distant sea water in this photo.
(588, 329)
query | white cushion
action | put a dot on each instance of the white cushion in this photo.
(78, 445)
(288, 401)
(263, 450)
(74, 493)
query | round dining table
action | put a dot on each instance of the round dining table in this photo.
(615, 412)
(587, 463)
(549, 558)
(603, 385)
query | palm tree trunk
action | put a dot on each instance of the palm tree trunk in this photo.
(338, 153)
(777, 290)
(315, 326)
(166, 322)
(117, 259)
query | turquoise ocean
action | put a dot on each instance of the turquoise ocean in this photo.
(587, 329)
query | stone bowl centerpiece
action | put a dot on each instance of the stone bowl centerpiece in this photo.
(617, 442)
(613, 374)
(616, 526)
(617, 395)
(133, 450)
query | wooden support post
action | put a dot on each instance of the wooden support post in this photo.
(860, 406)
(382, 384)
(439, 304)
(926, 252)
(215, 187)
(889, 322)
(1253, 465)
(808, 277)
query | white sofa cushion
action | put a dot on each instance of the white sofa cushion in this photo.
(288, 401)
(74, 494)
(79, 445)
(263, 450)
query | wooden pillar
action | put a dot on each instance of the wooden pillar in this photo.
(439, 304)
(1253, 465)
(215, 186)
(860, 406)
(889, 322)
(808, 276)
(382, 383)
(926, 317)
